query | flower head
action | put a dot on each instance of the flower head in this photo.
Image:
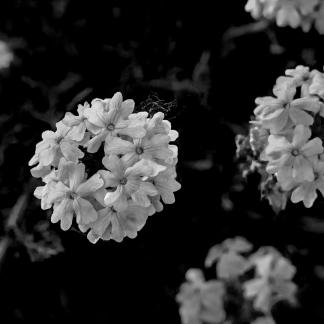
(128, 183)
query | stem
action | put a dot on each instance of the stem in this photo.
(11, 229)
(235, 32)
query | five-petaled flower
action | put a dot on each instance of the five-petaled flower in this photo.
(70, 196)
(292, 160)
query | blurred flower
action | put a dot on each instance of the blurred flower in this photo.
(264, 320)
(272, 282)
(293, 13)
(276, 196)
(6, 56)
(259, 281)
(254, 7)
(201, 301)
(230, 263)
(319, 18)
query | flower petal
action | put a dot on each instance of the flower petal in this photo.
(299, 116)
(76, 175)
(39, 171)
(313, 147)
(77, 132)
(127, 107)
(302, 169)
(133, 131)
(307, 103)
(301, 135)
(70, 151)
(119, 146)
(132, 220)
(114, 164)
(48, 155)
(110, 180)
(91, 185)
(112, 196)
(94, 144)
(306, 193)
(84, 210)
(57, 192)
(63, 212)
(145, 168)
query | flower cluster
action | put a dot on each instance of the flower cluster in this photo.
(293, 13)
(248, 284)
(286, 138)
(107, 167)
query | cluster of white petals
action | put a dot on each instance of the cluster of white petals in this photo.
(288, 133)
(293, 13)
(135, 176)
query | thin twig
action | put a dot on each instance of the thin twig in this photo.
(11, 228)
(255, 27)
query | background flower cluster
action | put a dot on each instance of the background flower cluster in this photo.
(293, 13)
(248, 285)
(286, 137)
(107, 167)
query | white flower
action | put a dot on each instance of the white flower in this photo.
(52, 148)
(70, 196)
(108, 118)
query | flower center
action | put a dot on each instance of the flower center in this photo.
(295, 152)
(123, 181)
(59, 140)
(139, 150)
(71, 195)
(111, 127)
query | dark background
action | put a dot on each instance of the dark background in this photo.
(70, 51)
